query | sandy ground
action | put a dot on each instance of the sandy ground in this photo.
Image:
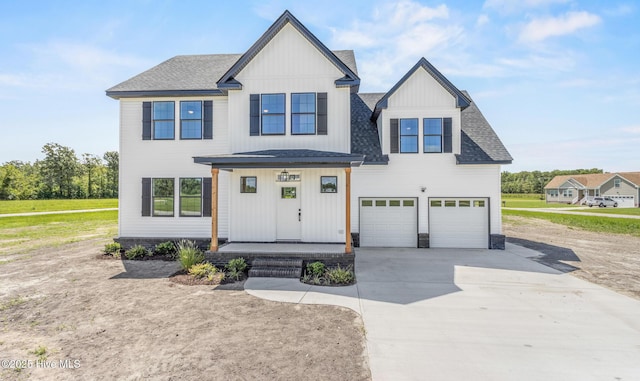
(610, 260)
(111, 319)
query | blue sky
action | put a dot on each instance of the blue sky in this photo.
(559, 80)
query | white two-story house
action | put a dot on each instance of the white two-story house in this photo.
(276, 144)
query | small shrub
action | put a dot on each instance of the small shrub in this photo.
(41, 352)
(316, 269)
(236, 267)
(312, 279)
(136, 252)
(203, 270)
(189, 254)
(166, 248)
(112, 248)
(339, 275)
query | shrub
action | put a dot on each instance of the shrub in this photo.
(236, 268)
(166, 248)
(339, 275)
(112, 248)
(203, 270)
(189, 254)
(136, 252)
(316, 269)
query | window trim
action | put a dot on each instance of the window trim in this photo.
(283, 113)
(441, 135)
(417, 135)
(322, 190)
(201, 121)
(180, 196)
(314, 113)
(153, 197)
(243, 184)
(154, 120)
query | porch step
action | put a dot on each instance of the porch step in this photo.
(276, 268)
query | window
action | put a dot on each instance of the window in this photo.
(436, 203)
(328, 184)
(409, 135)
(432, 135)
(272, 114)
(381, 202)
(616, 183)
(478, 203)
(163, 197)
(552, 193)
(191, 197)
(288, 192)
(449, 203)
(407, 203)
(190, 120)
(367, 202)
(567, 193)
(394, 202)
(248, 184)
(303, 114)
(464, 203)
(163, 120)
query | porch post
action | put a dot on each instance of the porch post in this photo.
(214, 209)
(347, 230)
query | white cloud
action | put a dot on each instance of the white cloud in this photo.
(635, 130)
(482, 20)
(510, 6)
(540, 29)
(619, 10)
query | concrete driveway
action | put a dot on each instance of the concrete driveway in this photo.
(445, 314)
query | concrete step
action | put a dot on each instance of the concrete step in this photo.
(275, 272)
(277, 262)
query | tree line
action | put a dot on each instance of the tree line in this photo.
(60, 175)
(534, 181)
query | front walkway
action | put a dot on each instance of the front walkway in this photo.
(445, 314)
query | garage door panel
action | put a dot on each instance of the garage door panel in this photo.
(388, 222)
(457, 226)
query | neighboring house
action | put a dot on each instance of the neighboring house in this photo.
(277, 144)
(623, 187)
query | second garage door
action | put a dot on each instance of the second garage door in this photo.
(624, 201)
(459, 223)
(388, 222)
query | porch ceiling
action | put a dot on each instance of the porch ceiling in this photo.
(290, 158)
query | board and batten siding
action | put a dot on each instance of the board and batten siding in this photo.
(254, 216)
(405, 175)
(168, 159)
(290, 64)
(419, 97)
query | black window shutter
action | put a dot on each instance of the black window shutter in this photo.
(322, 113)
(254, 127)
(448, 132)
(208, 120)
(146, 197)
(146, 120)
(393, 136)
(206, 197)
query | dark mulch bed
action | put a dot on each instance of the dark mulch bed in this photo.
(156, 257)
(182, 277)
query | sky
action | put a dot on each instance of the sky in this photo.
(557, 79)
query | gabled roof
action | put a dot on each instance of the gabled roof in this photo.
(593, 180)
(479, 142)
(227, 81)
(462, 100)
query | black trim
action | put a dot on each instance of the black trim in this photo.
(146, 197)
(146, 120)
(207, 132)
(447, 135)
(254, 114)
(243, 184)
(321, 109)
(336, 182)
(206, 197)
(394, 136)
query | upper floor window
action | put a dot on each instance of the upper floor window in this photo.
(408, 135)
(432, 134)
(303, 113)
(272, 106)
(163, 120)
(616, 183)
(190, 120)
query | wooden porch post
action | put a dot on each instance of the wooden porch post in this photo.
(214, 209)
(347, 230)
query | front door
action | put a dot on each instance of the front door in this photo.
(288, 213)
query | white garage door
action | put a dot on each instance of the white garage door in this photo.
(459, 222)
(388, 222)
(624, 201)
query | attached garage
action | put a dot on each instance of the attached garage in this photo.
(388, 222)
(624, 201)
(459, 222)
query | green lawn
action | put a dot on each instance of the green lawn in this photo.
(529, 201)
(591, 223)
(19, 235)
(26, 206)
(625, 211)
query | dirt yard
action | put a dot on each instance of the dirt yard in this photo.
(112, 319)
(609, 260)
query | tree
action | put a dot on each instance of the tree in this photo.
(58, 170)
(113, 164)
(92, 165)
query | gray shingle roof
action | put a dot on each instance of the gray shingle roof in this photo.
(480, 144)
(192, 73)
(364, 132)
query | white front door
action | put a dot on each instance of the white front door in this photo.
(288, 213)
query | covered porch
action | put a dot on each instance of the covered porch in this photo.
(296, 196)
